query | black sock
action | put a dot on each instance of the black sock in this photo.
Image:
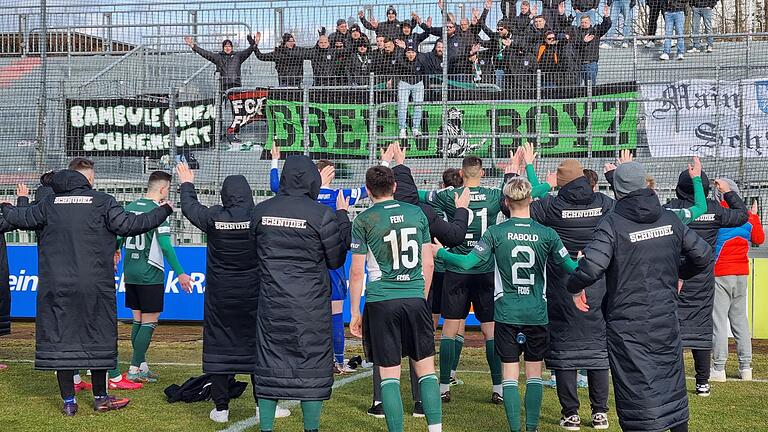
(99, 381)
(66, 385)
(680, 428)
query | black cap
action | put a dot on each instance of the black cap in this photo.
(227, 42)
(391, 9)
(406, 24)
(340, 21)
(355, 27)
(411, 48)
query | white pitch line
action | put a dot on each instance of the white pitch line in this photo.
(253, 421)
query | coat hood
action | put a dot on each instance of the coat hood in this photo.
(236, 192)
(684, 190)
(577, 191)
(69, 180)
(300, 177)
(641, 206)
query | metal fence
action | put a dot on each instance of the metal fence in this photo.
(711, 104)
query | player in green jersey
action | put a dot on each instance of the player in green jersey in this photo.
(520, 248)
(392, 238)
(473, 287)
(144, 275)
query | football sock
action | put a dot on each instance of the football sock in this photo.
(392, 404)
(512, 404)
(144, 367)
(494, 362)
(141, 345)
(115, 373)
(338, 338)
(135, 326)
(310, 410)
(446, 359)
(533, 396)
(458, 344)
(430, 399)
(267, 409)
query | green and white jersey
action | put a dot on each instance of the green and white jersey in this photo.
(143, 264)
(484, 208)
(521, 248)
(390, 234)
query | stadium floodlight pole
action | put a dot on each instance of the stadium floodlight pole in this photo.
(444, 86)
(193, 20)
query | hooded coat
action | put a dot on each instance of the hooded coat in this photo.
(697, 298)
(289, 63)
(227, 65)
(297, 241)
(76, 323)
(232, 279)
(577, 339)
(637, 248)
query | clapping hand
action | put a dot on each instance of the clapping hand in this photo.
(185, 174)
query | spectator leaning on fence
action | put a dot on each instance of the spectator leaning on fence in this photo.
(288, 59)
(674, 21)
(625, 8)
(228, 62)
(702, 10)
(731, 282)
(586, 39)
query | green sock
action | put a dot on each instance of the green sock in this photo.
(311, 412)
(267, 409)
(430, 399)
(114, 373)
(512, 404)
(134, 331)
(446, 359)
(458, 344)
(494, 362)
(392, 404)
(534, 392)
(141, 344)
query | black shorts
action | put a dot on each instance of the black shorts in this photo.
(145, 298)
(535, 347)
(462, 290)
(436, 292)
(393, 329)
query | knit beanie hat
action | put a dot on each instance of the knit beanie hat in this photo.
(569, 170)
(628, 178)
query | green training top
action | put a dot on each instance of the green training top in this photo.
(520, 248)
(391, 234)
(143, 263)
(484, 208)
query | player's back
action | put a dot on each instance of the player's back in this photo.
(143, 257)
(391, 234)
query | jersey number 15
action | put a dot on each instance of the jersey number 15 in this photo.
(406, 251)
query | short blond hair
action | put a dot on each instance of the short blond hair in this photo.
(517, 189)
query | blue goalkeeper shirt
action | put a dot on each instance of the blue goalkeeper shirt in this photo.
(327, 196)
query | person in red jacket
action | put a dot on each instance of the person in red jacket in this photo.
(731, 271)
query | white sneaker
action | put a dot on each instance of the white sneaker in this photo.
(605, 46)
(281, 412)
(716, 375)
(693, 50)
(709, 49)
(416, 132)
(625, 45)
(664, 56)
(650, 44)
(403, 134)
(219, 416)
(680, 57)
(745, 374)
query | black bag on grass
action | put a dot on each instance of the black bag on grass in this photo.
(198, 389)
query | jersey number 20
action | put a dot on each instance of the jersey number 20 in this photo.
(135, 243)
(406, 250)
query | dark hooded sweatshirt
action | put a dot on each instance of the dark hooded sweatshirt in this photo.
(289, 63)
(637, 248)
(76, 323)
(232, 279)
(297, 241)
(228, 65)
(577, 338)
(450, 234)
(697, 298)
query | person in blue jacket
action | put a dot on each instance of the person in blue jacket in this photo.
(339, 286)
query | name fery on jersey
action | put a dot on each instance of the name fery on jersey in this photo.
(523, 237)
(706, 217)
(73, 200)
(284, 222)
(652, 233)
(396, 219)
(578, 214)
(232, 225)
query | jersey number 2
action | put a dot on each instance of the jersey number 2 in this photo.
(529, 263)
(407, 251)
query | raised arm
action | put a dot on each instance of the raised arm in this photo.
(198, 214)
(27, 218)
(736, 213)
(126, 224)
(274, 175)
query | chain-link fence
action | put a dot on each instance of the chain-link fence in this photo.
(119, 84)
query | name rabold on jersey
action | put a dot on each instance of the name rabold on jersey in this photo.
(652, 233)
(73, 200)
(706, 217)
(396, 219)
(523, 237)
(232, 225)
(284, 222)
(586, 213)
